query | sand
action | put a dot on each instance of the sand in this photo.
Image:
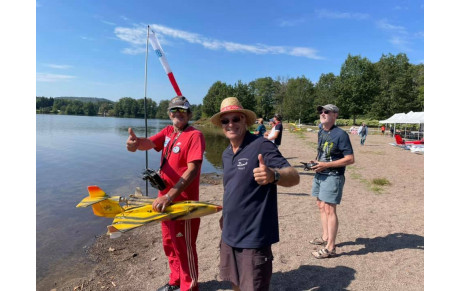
(380, 242)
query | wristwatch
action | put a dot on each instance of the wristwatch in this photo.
(277, 177)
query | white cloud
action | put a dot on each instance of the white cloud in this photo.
(401, 43)
(290, 22)
(323, 13)
(385, 25)
(136, 38)
(46, 77)
(399, 36)
(108, 23)
(61, 67)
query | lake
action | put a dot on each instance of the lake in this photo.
(74, 152)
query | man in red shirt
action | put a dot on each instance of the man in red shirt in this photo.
(182, 149)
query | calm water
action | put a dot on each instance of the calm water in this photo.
(74, 152)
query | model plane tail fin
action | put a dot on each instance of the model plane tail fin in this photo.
(102, 204)
(113, 231)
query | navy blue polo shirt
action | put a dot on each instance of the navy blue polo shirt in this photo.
(250, 210)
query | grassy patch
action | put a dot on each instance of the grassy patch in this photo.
(380, 182)
(376, 185)
(377, 189)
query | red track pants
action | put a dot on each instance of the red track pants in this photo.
(179, 244)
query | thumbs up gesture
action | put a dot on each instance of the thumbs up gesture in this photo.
(263, 174)
(132, 143)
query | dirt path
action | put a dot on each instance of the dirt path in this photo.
(380, 239)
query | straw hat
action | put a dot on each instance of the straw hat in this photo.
(231, 104)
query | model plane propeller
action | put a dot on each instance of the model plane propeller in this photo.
(138, 210)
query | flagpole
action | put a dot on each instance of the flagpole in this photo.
(145, 108)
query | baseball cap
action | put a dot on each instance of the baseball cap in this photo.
(330, 107)
(179, 102)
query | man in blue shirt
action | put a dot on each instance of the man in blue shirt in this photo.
(334, 153)
(260, 131)
(253, 167)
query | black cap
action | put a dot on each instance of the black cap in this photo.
(179, 102)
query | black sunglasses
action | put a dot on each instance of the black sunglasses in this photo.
(325, 112)
(235, 119)
(181, 110)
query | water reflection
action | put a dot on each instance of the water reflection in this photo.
(73, 152)
(216, 143)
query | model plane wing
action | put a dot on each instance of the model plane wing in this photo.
(138, 210)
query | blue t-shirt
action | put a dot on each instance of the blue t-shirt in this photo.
(261, 129)
(250, 210)
(333, 145)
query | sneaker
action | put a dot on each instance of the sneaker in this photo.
(168, 287)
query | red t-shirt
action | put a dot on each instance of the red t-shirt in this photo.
(188, 147)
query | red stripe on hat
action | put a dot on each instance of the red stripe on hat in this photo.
(231, 107)
(174, 84)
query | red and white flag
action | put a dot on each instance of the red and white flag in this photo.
(164, 62)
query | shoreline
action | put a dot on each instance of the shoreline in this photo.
(380, 243)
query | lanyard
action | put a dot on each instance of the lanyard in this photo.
(168, 150)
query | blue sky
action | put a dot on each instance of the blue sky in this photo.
(97, 48)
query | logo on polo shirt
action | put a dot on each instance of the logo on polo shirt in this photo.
(242, 163)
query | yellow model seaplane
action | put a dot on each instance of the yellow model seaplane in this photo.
(138, 210)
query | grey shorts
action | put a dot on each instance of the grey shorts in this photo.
(328, 188)
(250, 269)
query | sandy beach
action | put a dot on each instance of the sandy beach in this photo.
(380, 242)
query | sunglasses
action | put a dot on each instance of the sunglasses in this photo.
(181, 110)
(235, 119)
(325, 112)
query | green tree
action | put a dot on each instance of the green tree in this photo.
(357, 87)
(126, 107)
(279, 95)
(326, 89)
(196, 110)
(299, 100)
(397, 87)
(244, 95)
(90, 109)
(264, 90)
(105, 108)
(418, 77)
(44, 104)
(162, 112)
(75, 108)
(218, 92)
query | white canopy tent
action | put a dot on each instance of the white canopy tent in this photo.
(407, 118)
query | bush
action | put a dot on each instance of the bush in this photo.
(349, 122)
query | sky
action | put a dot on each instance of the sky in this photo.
(97, 49)
(93, 48)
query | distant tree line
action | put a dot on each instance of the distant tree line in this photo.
(362, 90)
(125, 107)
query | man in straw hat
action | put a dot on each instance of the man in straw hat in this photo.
(253, 167)
(182, 149)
